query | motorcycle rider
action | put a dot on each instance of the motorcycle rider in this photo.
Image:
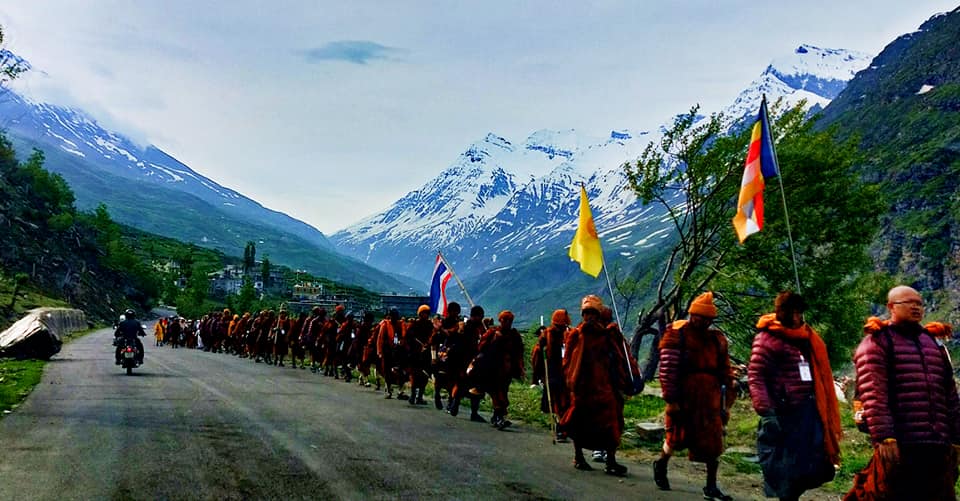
(129, 328)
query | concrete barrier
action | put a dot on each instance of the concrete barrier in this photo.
(40, 333)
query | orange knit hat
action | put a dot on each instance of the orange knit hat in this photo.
(560, 317)
(591, 302)
(703, 306)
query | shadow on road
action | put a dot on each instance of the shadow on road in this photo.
(148, 374)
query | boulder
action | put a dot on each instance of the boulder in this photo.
(650, 432)
(40, 333)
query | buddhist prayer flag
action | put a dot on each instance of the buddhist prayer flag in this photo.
(585, 248)
(761, 163)
(438, 287)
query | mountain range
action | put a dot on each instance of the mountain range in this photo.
(504, 211)
(504, 206)
(146, 188)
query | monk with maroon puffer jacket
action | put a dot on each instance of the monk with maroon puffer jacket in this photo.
(905, 382)
(791, 386)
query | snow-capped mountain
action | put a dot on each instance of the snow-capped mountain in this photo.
(74, 132)
(502, 201)
(144, 187)
(810, 73)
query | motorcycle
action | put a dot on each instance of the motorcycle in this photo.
(128, 355)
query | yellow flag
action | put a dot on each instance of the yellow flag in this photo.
(585, 248)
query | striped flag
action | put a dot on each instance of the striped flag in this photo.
(438, 287)
(761, 163)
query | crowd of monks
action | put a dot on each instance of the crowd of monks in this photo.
(585, 370)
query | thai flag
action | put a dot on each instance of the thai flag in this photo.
(438, 287)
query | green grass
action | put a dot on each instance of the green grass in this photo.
(17, 379)
(27, 299)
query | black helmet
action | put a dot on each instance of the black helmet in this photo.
(130, 314)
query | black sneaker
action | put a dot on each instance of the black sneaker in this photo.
(615, 469)
(715, 494)
(504, 424)
(660, 475)
(582, 464)
(477, 418)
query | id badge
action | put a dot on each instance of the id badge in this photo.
(804, 370)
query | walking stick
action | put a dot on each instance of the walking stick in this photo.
(546, 376)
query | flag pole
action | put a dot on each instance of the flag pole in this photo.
(783, 196)
(613, 301)
(455, 277)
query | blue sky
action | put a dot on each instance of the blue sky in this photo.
(330, 111)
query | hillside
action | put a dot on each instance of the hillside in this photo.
(144, 187)
(57, 251)
(905, 110)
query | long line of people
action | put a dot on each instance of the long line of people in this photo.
(586, 373)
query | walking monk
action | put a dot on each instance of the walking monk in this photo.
(595, 373)
(697, 384)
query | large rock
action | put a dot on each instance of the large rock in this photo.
(39, 334)
(650, 432)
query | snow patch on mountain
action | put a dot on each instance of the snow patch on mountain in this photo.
(503, 201)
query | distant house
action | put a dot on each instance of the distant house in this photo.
(229, 280)
(306, 295)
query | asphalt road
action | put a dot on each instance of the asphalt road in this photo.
(195, 425)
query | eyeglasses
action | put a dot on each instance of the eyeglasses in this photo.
(912, 302)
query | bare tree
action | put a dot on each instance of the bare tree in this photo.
(11, 66)
(691, 174)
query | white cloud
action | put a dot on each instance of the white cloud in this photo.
(230, 88)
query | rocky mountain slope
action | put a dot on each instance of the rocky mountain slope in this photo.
(508, 204)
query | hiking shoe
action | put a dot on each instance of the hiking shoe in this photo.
(660, 475)
(715, 494)
(581, 464)
(615, 469)
(477, 418)
(599, 456)
(504, 424)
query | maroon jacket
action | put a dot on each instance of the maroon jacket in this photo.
(919, 403)
(774, 374)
